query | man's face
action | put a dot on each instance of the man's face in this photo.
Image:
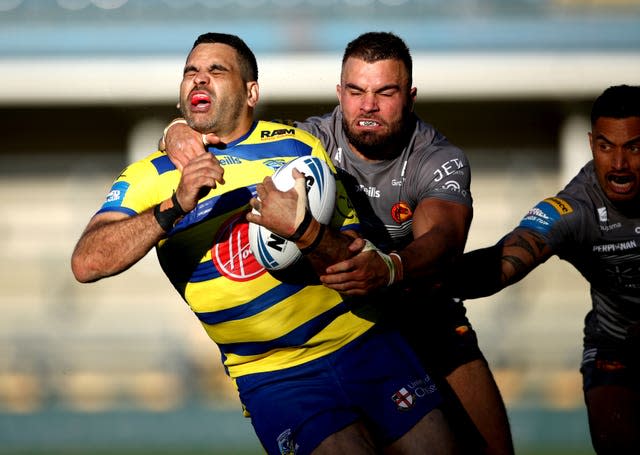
(376, 102)
(212, 93)
(615, 144)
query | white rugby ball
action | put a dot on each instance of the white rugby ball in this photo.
(271, 250)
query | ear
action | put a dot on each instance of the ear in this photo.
(253, 93)
(339, 92)
(413, 93)
(591, 145)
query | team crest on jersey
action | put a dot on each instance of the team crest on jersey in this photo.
(401, 212)
(403, 399)
(231, 254)
(274, 164)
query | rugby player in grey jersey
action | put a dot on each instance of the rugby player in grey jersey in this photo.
(594, 224)
(411, 188)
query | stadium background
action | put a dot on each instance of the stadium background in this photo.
(121, 366)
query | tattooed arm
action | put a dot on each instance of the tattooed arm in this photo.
(486, 271)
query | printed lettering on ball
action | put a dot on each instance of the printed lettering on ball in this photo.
(271, 250)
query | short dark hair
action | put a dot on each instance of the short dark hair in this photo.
(619, 101)
(248, 63)
(374, 46)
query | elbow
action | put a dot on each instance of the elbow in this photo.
(82, 271)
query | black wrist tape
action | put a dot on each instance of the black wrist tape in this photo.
(302, 228)
(315, 242)
(167, 218)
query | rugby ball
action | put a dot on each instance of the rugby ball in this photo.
(274, 252)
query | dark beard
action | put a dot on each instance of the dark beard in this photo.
(377, 147)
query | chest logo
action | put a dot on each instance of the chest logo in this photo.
(401, 212)
(231, 254)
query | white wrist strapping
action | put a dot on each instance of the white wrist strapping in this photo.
(173, 122)
(385, 257)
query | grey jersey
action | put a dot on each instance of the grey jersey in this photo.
(584, 228)
(386, 193)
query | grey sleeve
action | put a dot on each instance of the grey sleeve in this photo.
(442, 173)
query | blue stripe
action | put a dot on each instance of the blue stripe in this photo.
(163, 164)
(351, 227)
(292, 147)
(316, 169)
(296, 337)
(216, 206)
(205, 271)
(120, 209)
(252, 307)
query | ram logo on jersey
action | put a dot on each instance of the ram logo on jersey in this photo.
(279, 132)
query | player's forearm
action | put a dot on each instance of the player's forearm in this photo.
(108, 248)
(432, 253)
(331, 247)
(478, 273)
(486, 271)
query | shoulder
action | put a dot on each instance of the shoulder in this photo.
(274, 131)
(325, 127)
(552, 212)
(429, 154)
(432, 148)
(141, 184)
(153, 165)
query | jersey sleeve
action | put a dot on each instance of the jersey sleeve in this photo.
(556, 219)
(140, 186)
(442, 173)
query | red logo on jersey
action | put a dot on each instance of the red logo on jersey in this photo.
(231, 254)
(401, 212)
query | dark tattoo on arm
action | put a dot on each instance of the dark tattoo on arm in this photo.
(522, 252)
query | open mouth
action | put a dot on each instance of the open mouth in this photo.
(621, 183)
(200, 101)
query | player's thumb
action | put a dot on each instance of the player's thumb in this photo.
(300, 186)
(210, 139)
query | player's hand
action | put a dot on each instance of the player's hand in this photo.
(199, 176)
(359, 275)
(281, 212)
(182, 144)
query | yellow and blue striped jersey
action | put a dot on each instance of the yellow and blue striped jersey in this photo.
(259, 323)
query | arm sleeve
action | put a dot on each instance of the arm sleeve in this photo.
(140, 186)
(556, 219)
(443, 173)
